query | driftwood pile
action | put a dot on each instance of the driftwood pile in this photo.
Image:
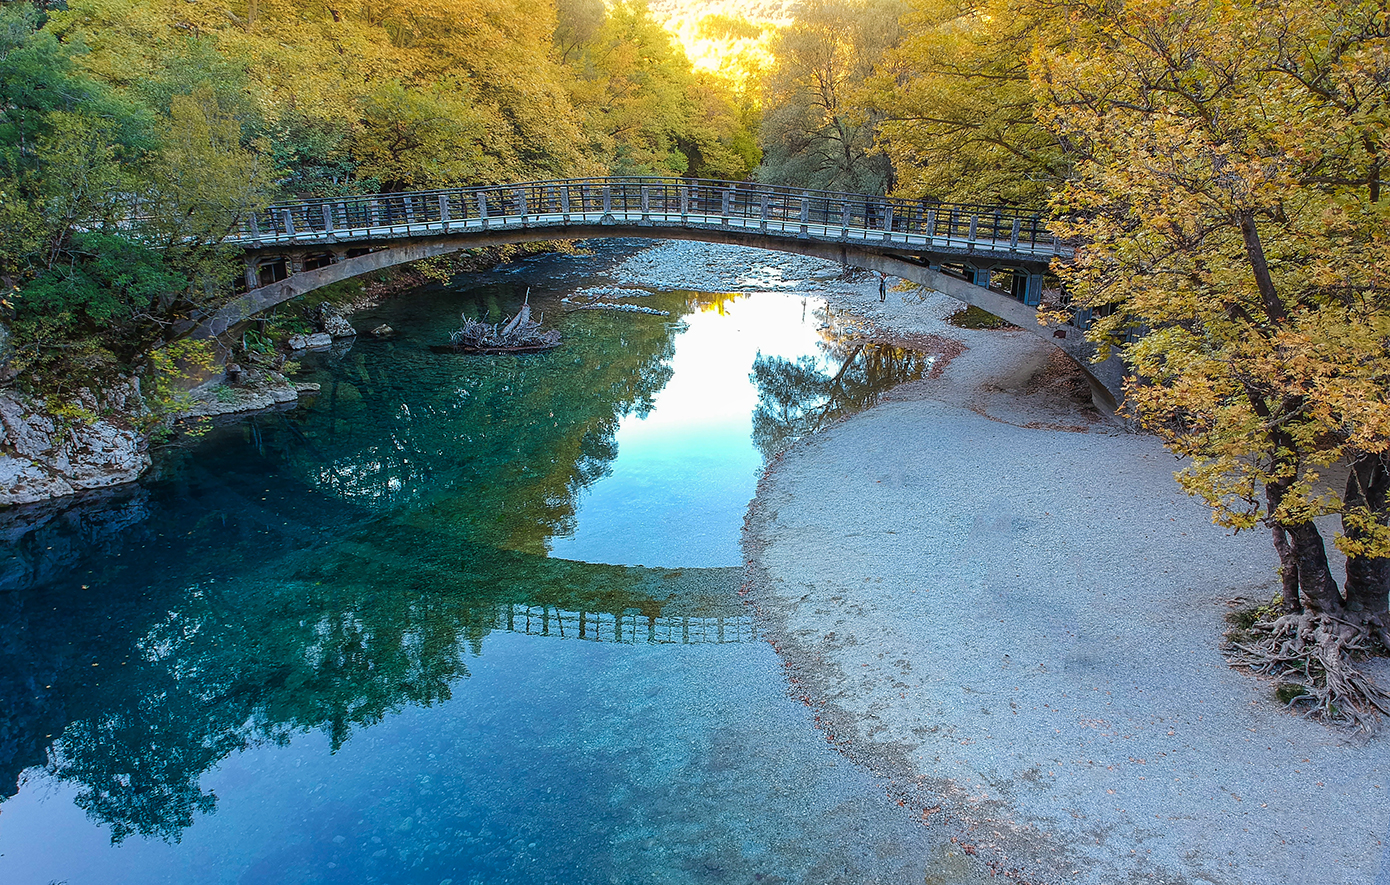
(520, 334)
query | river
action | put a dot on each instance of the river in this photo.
(455, 620)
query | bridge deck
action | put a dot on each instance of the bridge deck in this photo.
(890, 224)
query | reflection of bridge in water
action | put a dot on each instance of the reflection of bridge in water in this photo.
(630, 627)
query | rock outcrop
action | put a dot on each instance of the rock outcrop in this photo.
(92, 445)
(333, 323)
(316, 341)
(7, 369)
(255, 390)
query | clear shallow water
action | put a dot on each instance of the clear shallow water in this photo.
(357, 641)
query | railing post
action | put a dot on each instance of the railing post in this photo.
(762, 211)
(255, 229)
(374, 213)
(805, 215)
(444, 209)
(930, 226)
(888, 222)
(327, 218)
(974, 224)
(565, 202)
(608, 201)
(1013, 235)
(724, 212)
(685, 202)
(646, 203)
(289, 223)
(521, 208)
(482, 207)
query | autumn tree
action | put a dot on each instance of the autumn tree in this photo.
(648, 111)
(78, 159)
(957, 110)
(816, 130)
(1226, 199)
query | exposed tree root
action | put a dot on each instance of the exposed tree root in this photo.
(1314, 654)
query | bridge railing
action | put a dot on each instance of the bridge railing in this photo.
(656, 199)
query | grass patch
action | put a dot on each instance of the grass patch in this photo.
(973, 317)
(1288, 692)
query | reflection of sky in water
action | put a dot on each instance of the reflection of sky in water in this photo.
(685, 473)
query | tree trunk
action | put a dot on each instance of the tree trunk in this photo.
(1305, 555)
(1319, 590)
(1288, 570)
(1368, 577)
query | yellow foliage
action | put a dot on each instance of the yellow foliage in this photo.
(1226, 199)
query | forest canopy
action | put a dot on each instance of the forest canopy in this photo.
(195, 113)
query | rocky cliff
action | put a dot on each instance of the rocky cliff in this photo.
(92, 444)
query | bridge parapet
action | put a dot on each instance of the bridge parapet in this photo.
(939, 228)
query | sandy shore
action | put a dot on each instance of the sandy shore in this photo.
(1005, 605)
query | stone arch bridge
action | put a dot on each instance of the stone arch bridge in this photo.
(992, 257)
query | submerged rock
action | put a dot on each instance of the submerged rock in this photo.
(382, 331)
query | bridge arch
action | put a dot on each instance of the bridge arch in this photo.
(326, 241)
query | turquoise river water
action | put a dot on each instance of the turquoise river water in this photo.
(455, 620)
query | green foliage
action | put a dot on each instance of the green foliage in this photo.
(256, 342)
(84, 317)
(173, 370)
(1288, 692)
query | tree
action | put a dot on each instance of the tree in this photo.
(648, 112)
(815, 130)
(413, 139)
(1226, 202)
(957, 108)
(90, 293)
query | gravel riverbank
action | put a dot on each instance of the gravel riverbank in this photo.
(1001, 601)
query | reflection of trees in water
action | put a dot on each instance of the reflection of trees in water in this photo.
(799, 397)
(223, 620)
(498, 447)
(336, 564)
